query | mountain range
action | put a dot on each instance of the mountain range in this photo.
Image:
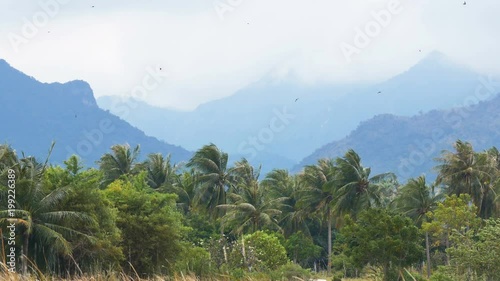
(409, 146)
(278, 123)
(36, 114)
(400, 125)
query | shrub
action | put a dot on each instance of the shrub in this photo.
(193, 260)
(442, 274)
(263, 252)
(291, 271)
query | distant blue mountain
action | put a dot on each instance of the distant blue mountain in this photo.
(34, 114)
(242, 124)
(408, 146)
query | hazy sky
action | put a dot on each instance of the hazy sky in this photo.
(210, 49)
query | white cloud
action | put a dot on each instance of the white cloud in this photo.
(208, 58)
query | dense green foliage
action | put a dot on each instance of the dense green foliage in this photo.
(380, 238)
(211, 219)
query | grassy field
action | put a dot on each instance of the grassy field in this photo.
(122, 277)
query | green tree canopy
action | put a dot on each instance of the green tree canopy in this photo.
(151, 226)
(383, 239)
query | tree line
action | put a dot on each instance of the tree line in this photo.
(209, 218)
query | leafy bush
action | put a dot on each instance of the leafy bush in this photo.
(290, 271)
(344, 264)
(301, 248)
(442, 274)
(262, 252)
(337, 276)
(193, 260)
(412, 276)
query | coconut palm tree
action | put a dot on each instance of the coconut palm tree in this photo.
(213, 176)
(42, 225)
(356, 189)
(415, 200)
(491, 190)
(120, 162)
(160, 171)
(465, 171)
(319, 193)
(185, 188)
(281, 184)
(250, 205)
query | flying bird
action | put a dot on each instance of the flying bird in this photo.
(379, 92)
(296, 99)
(465, 3)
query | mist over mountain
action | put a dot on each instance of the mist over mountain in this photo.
(38, 113)
(408, 146)
(283, 121)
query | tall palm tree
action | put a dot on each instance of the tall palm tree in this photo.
(160, 171)
(318, 195)
(120, 162)
(491, 190)
(281, 184)
(213, 178)
(357, 190)
(185, 188)
(465, 171)
(415, 200)
(41, 223)
(250, 206)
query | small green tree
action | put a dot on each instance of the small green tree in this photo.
(455, 213)
(258, 251)
(151, 226)
(301, 248)
(477, 254)
(382, 239)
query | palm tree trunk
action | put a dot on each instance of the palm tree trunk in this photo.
(24, 258)
(447, 243)
(223, 242)
(243, 252)
(428, 253)
(479, 210)
(329, 242)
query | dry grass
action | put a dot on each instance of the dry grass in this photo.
(122, 277)
(109, 277)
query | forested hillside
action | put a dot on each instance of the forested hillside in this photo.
(408, 146)
(208, 219)
(67, 114)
